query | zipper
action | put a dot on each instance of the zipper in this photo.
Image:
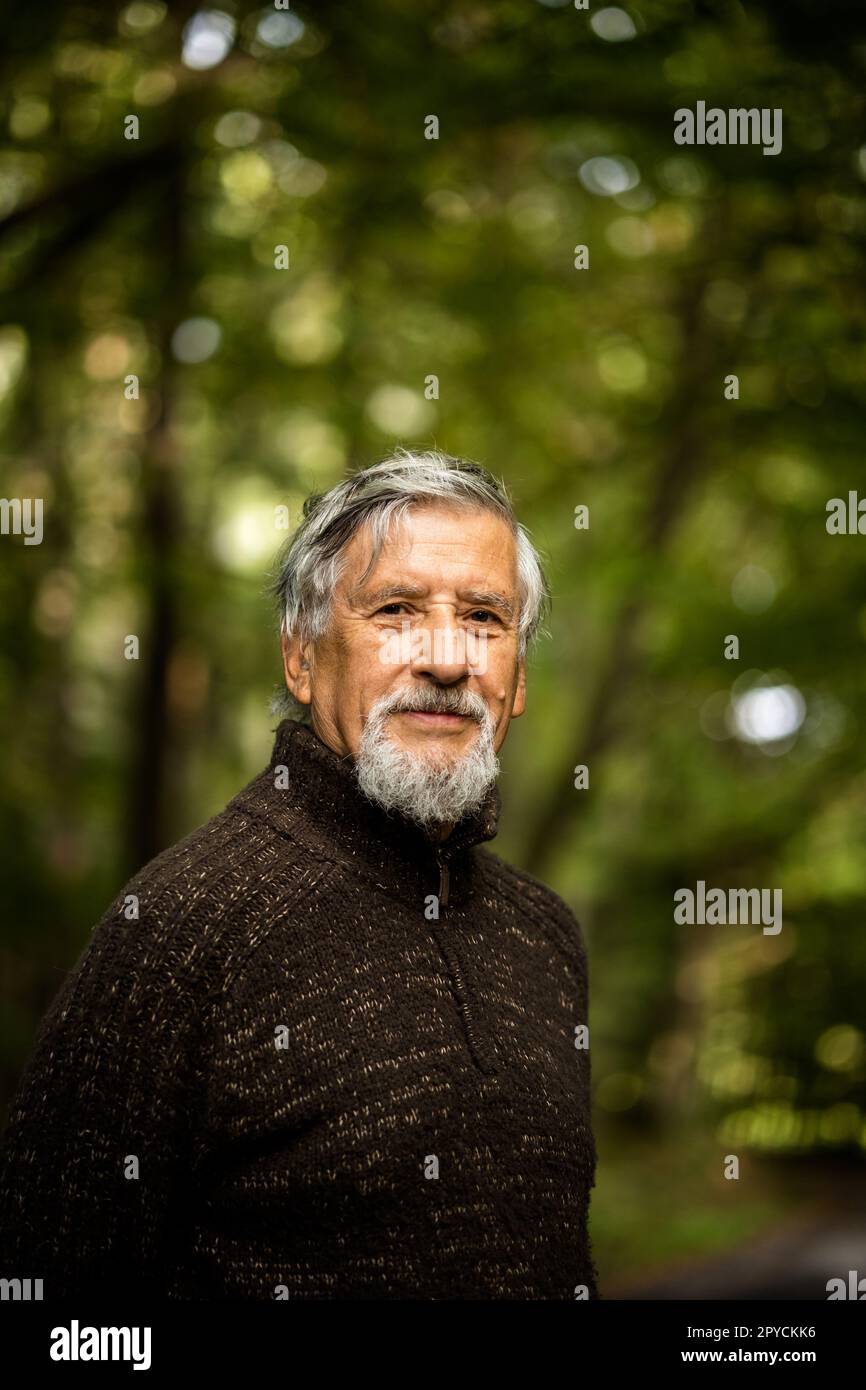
(480, 1053)
(444, 879)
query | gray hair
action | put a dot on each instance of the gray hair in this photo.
(312, 560)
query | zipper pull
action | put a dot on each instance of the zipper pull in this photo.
(444, 880)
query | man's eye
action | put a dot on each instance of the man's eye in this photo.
(389, 609)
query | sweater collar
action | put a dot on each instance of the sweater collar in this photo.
(322, 805)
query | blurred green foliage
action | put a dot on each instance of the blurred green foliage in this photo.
(455, 257)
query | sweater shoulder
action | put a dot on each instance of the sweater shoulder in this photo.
(539, 901)
(181, 921)
(213, 865)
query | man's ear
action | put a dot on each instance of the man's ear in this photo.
(296, 668)
(520, 693)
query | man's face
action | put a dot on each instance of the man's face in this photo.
(435, 621)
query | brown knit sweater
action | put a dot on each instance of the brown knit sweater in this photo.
(285, 1078)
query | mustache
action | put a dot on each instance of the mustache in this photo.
(438, 702)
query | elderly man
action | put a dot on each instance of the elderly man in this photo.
(327, 1046)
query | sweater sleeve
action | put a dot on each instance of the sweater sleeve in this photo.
(93, 1160)
(570, 934)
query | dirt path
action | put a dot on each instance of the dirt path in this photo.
(792, 1262)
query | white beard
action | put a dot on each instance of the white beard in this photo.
(427, 789)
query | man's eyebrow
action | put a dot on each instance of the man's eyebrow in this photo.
(489, 598)
(483, 597)
(371, 598)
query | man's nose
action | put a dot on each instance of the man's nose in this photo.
(440, 649)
